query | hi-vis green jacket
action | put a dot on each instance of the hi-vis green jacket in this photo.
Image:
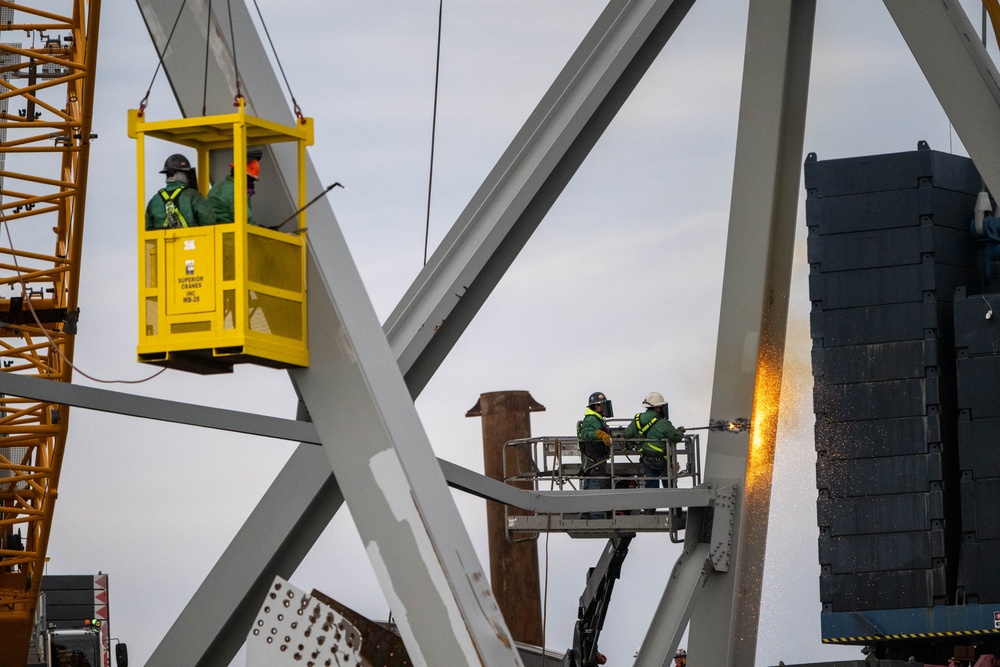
(191, 206)
(222, 198)
(586, 432)
(655, 430)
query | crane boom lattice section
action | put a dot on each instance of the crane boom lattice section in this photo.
(47, 58)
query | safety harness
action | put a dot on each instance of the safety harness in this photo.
(653, 454)
(590, 463)
(174, 218)
(642, 431)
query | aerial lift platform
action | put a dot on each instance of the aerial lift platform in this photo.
(553, 463)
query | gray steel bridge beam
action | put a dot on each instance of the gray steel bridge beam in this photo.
(960, 72)
(145, 407)
(624, 42)
(407, 520)
(750, 348)
(463, 479)
(686, 582)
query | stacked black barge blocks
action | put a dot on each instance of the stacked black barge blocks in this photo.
(977, 341)
(889, 245)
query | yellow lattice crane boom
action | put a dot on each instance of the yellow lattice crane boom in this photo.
(48, 51)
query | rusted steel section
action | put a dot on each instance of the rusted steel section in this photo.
(513, 565)
(380, 645)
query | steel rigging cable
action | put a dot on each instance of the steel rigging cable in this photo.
(430, 177)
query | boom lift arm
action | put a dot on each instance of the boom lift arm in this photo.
(594, 602)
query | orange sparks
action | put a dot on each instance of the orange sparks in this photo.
(764, 420)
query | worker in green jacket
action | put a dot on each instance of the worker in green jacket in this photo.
(222, 195)
(657, 436)
(595, 447)
(178, 203)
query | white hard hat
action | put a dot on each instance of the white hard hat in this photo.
(654, 399)
(681, 653)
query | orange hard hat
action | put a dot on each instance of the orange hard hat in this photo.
(253, 164)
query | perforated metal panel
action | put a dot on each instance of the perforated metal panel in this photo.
(294, 628)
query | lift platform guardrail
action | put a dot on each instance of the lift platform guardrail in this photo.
(553, 463)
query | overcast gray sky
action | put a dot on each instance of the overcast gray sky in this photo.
(617, 291)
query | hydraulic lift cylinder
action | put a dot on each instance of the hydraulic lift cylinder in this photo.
(513, 564)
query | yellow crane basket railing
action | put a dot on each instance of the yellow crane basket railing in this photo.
(214, 296)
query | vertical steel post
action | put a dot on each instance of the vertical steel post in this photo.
(513, 565)
(750, 348)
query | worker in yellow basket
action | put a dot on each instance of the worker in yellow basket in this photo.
(680, 658)
(222, 195)
(595, 447)
(178, 203)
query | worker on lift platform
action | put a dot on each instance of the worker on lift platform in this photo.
(178, 203)
(222, 195)
(680, 658)
(595, 447)
(656, 430)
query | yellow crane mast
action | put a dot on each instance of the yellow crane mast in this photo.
(48, 52)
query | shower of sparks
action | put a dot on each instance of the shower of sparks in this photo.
(764, 420)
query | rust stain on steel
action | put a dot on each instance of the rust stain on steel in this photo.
(380, 645)
(513, 566)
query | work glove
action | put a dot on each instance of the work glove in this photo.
(604, 437)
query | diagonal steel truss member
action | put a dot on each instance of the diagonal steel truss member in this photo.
(960, 72)
(46, 100)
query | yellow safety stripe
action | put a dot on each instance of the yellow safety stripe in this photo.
(642, 431)
(172, 195)
(915, 635)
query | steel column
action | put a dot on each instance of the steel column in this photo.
(949, 51)
(751, 339)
